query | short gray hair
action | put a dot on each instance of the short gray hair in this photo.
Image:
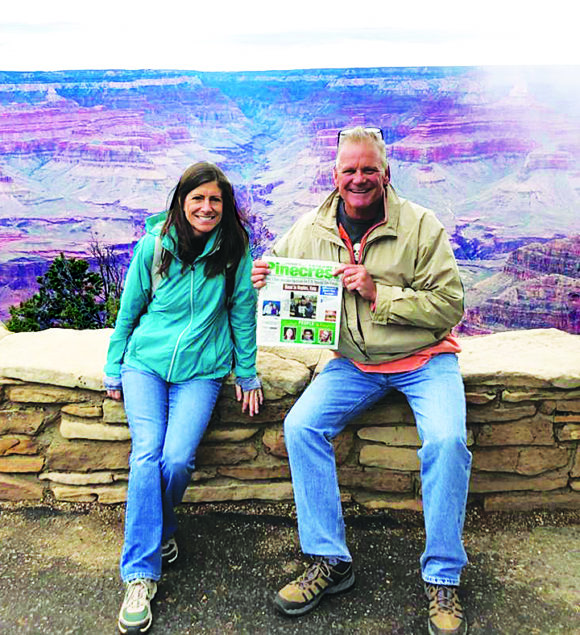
(363, 135)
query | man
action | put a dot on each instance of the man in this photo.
(402, 296)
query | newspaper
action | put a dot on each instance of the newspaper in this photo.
(300, 304)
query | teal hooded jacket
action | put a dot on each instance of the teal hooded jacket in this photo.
(184, 331)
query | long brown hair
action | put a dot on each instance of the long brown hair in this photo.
(233, 236)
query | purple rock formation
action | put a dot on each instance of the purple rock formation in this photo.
(89, 154)
(539, 287)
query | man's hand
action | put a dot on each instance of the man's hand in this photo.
(251, 399)
(260, 270)
(357, 278)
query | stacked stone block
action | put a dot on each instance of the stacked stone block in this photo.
(62, 439)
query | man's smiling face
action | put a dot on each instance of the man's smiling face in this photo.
(360, 177)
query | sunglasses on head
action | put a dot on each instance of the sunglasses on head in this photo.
(378, 132)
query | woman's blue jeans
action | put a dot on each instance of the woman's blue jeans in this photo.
(436, 395)
(167, 422)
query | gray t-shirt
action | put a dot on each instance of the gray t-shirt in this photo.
(356, 229)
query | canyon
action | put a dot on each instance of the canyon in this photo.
(86, 156)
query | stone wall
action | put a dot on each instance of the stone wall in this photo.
(62, 439)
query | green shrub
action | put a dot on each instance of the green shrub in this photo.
(68, 297)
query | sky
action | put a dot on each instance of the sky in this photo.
(269, 35)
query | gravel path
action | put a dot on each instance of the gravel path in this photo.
(58, 573)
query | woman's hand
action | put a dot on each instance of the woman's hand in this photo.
(251, 399)
(117, 395)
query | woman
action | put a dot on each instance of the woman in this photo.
(324, 335)
(172, 347)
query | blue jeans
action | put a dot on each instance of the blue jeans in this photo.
(167, 422)
(436, 396)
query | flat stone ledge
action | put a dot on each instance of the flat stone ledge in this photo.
(539, 357)
(16, 488)
(81, 478)
(60, 357)
(75, 428)
(75, 359)
(107, 494)
(238, 492)
(525, 501)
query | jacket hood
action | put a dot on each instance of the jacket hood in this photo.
(154, 223)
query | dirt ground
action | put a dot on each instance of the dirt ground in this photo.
(59, 572)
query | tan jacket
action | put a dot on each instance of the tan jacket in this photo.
(419, 292)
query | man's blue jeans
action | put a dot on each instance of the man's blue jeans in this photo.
(436, 396)
(167, 422)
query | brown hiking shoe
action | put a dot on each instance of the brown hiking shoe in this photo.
(445, 612)
(320, 578)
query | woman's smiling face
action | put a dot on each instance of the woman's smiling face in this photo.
(203, 208)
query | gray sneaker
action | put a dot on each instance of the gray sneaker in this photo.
(135, 614)
(169, 551)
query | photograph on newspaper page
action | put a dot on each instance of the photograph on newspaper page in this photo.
(300, 304)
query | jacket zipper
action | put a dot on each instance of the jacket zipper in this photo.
(175, 350)
(348, 244)
(363, 242)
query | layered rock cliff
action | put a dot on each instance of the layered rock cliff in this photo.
(539, 287)
(90, 153)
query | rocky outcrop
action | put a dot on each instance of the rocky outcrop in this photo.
(91, 153)
(480, 132)
(538, 287)
(62, 439)
(560, 257)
